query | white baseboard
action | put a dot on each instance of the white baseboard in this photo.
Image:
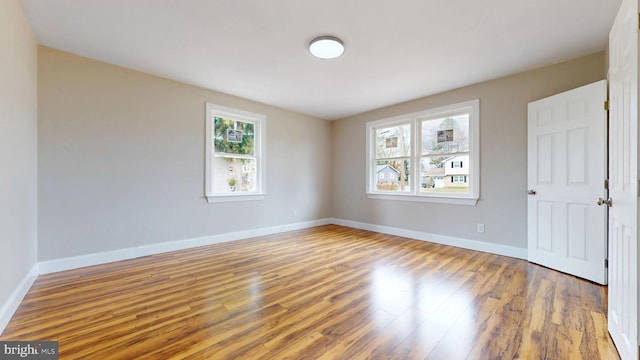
(498, 249)
(51, 266)
(11, 305)
(45, 267)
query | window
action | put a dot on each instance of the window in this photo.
(234, 154)
(434, 155)
(458, 179)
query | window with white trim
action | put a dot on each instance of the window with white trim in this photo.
(234, 154)
(434, 155)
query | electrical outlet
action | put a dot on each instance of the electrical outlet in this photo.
(294, 213)
(480, 228)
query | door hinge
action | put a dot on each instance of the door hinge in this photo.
(606, 105)
(606, 263)
(606, 184)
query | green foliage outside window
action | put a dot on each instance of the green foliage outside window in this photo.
(223, 145)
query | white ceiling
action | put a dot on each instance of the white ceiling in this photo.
(257, 49)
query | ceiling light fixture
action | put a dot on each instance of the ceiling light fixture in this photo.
(326, 47)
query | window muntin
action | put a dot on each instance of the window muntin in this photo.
(441, 145)
(234, 154)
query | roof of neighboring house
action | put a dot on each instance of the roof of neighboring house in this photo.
(451, 158)
(434, 172)
(446, 157)
(382, 167)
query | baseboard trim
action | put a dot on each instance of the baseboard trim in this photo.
(51, 266)
(56, 265)
(492, 248)
(11, 305)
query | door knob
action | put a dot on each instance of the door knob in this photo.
(602, 201)
(531, 192)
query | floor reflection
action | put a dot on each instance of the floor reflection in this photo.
(391, 289)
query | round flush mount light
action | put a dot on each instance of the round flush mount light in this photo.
(326, 47)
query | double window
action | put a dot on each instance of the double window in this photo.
(432, 155)
(234, 154)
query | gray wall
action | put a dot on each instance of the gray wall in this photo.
(503, 157)
(18, 148)
(121, 161)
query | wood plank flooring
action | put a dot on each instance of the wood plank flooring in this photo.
(324, 293)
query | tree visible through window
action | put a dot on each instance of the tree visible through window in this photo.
(444, 155)
(429, 154)
(393, 151)
(234, 142)
(234, 152)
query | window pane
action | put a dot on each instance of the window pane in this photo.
(437, 175)
(393, 175)
(445, 135)
(233, 136)
(234, 175)
(393, 141)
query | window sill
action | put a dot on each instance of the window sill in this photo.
(230, 198)
(422, 198)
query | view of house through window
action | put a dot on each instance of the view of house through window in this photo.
(393, 151)
(234, 151)
(445, 154)
(426, 154)
(233, 155)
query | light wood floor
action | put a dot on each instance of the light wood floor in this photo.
(324, 293)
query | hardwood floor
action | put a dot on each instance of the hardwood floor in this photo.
(323, 293)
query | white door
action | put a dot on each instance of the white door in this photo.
(623, 188)
(566, 172)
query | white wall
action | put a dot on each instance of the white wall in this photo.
(121, 161)
(18, 156)
(503, 157)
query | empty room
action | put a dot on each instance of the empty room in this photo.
(319, 180)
